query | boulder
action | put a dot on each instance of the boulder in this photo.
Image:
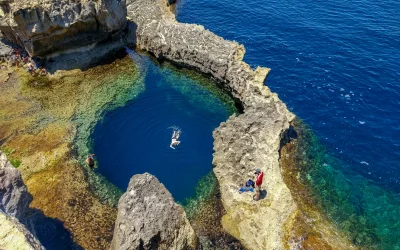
(14, 196)
(53, 26)
(148, 218)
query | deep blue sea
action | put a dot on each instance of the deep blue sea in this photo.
(136, 138)
(336, 64)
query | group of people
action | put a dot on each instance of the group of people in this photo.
(22, 59)
(250, 185)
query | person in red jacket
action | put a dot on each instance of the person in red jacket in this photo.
(259, 179)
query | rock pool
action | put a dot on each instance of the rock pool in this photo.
(135, 138)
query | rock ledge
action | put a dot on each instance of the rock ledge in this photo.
(251, 140)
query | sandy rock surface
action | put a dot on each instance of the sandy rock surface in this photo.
(148, 218)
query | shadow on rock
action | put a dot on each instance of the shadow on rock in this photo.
(49, 231)
(263, 194)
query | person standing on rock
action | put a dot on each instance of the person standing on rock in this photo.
(90, 160)
(259, 178)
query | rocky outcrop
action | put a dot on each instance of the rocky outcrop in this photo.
(251, 140)
(46, 27)
(14, 196)
(14, 204)
(148, 218)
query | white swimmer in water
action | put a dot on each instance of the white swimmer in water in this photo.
(175, 137)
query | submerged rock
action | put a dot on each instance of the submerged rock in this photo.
(148, 218)
(47, 26)
(14, 196)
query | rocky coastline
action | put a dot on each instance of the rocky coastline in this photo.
(65, 35)
(251, 140)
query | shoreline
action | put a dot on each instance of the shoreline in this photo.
(241, 144)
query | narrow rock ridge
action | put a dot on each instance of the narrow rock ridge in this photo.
(45, 27)
(251, 140)
(14, 204)
(148, 218)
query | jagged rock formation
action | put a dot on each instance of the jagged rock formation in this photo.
(148, 218)
(251, 140)
(45, 27)
(14, 203)
(14, 196)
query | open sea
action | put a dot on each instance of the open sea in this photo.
(336, 64)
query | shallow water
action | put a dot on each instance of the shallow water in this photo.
(335, 64)
(135, 138)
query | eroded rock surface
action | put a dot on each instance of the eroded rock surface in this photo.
(14, 195)
(45, 27)
(148, 218)
(251, 140)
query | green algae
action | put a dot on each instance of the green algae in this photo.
(16, 162)
(368, 215)
(113, 92)
(206, 189)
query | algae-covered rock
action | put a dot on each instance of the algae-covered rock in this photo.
(148, 218)
(14, 196)
(45, 27)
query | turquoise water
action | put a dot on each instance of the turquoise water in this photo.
(136, 138)
(336, 65)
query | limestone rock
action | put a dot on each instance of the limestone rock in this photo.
(251, 140)
(48, 26)
(14, 196)
(15, 236)
(148, 218)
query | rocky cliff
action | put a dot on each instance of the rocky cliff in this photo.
(251, 140)
(14, 196)
(45, 27)
(148, 218)
(14, 203)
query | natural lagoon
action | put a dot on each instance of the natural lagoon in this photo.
(136, 137)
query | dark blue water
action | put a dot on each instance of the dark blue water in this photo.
(135, 138)
(336, 64)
